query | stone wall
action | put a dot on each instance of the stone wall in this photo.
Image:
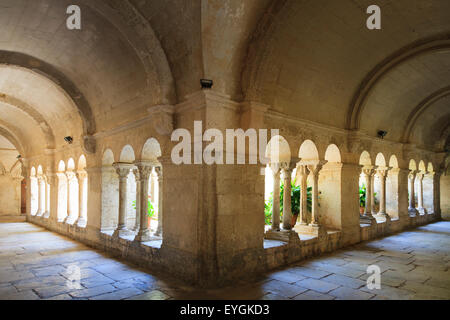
(445, 196)
(10, 195)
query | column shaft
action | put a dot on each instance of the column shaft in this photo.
(138, 200)
(276, 198)
(159, 173)
(145, 171)
(304, 172)
(123, 170)
(287, 209)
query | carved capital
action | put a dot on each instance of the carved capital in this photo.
(81, 175)
(122, 169)
(145, 169)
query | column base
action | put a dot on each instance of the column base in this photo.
(367, 219)
(275, 229)
(422, 211)
(282, 235)
(122, 232)
(70, 220)
(384, 215)
(313, 230)
(143, 236)
(81, 222)
(412, 212)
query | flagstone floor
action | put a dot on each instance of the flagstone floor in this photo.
(38, 264)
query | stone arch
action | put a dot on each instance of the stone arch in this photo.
(422, 167)
(5, 132)
(308, 151)
(439, 42)
(56, 76)
(412, 165)
(82, 163)
(139, 34)
(127, 154)
(365, 159)
(278, 150)
(108, 157)
(70, 165)
(34, 114)
(380, 160)
(151, 150)
(430, 167)
(420, 109)
(333, 154)
(393, 162)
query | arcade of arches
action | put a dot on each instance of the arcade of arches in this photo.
(120, 86)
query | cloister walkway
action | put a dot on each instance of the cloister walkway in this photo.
(38, 264)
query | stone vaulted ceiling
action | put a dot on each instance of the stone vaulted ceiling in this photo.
(314, 60)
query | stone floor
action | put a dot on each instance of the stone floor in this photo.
(38, 264)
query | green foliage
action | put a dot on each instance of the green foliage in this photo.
(150, 209)
(362, 196)
(295, 202)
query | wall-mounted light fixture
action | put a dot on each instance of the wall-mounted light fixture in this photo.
(382, 134)
(206, 84)
(68, 139)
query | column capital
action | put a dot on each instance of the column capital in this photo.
(368, 170)
(383, 171)
(420, 175)
(159, 172)
(314, 166)
(302, 169)
(122, 169)
(81, 175)
(145, 169)
(70, 175)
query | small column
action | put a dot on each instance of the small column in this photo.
(123, 170)
(47, 196)
(372, 192)
(420, 206)
(138, 199)
(412, 201)
(61, 178)
(303, 172)
(367, 217)
(314, 170)
(276, 197)
(159, 173)
(82, 215)
(287, 209)
(145, 170)
(382, 174)
(70, 219)
(41, 196)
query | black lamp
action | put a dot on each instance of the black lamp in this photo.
(206, 84)
(68, 139)
(382, 134)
